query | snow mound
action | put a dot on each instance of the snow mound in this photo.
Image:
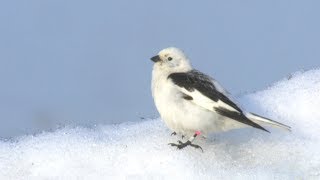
(140, 150)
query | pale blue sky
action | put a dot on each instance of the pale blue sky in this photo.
(87, 62)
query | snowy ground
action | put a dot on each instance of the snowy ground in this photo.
(140, 150)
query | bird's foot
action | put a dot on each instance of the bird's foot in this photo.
(182, 145)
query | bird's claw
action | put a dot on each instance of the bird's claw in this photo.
(173, 134)
(182, 145)
(196, 146)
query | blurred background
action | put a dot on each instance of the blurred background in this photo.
(87, 62)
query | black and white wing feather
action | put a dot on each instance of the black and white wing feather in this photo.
(201, 90)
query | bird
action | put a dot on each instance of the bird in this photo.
(192, 103)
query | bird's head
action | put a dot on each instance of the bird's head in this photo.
(172, 60)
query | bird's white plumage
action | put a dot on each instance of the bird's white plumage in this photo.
(205, 102)
(197, 113)
(183, 116)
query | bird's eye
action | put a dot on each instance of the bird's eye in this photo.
(169, 58)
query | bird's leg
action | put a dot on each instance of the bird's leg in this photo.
(182, 145)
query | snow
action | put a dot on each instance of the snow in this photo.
(140, 151)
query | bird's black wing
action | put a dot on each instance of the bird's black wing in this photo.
(194, 80)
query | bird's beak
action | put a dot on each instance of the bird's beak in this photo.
(156, 58)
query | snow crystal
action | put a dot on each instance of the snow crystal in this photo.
(140, 150)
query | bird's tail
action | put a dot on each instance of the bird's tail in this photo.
(265, 121)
